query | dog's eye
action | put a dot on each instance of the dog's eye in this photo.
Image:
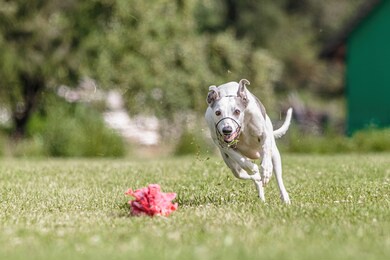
(237, 112)
(217, 113)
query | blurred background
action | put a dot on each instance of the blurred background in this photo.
(115, 78)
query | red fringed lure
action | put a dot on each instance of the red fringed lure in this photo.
(151, 201)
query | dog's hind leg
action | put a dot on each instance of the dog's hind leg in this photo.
(277, 162)
(240, 173)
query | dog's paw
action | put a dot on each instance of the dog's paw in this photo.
(266, 173)
(285, 198)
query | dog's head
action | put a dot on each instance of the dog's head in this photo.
(228, 109)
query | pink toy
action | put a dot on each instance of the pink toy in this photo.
(151, 201)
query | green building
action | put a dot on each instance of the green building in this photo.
(364, 45)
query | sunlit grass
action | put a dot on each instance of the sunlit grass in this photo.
(76, 209)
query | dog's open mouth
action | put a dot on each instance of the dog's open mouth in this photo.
(230, 138)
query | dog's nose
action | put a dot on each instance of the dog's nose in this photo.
(227, 130)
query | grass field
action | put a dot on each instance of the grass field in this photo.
(76, 209)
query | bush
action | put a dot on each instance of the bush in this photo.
(2, 143)
(72, 130)
(373, 140)
(193, 143)
(368, 140)
(29, 147)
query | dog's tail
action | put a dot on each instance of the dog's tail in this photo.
(283, 129)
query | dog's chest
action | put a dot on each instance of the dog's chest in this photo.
(249, 146)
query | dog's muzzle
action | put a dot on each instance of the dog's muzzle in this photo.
(228, 140)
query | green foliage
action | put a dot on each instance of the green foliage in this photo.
(27, 147)
(193, 143)
(165, 62)
(44, 44)
(47, 39)
(374, 140)
(369, 140)
(76, 209)
(3, 140)
(168, 64)
(292, 31)
(298, 143)
(163, 54)
(80, 133)
(71, 130)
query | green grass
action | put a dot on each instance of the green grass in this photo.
(76, 209)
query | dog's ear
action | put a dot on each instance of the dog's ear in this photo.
(242, 89)
(213, 95)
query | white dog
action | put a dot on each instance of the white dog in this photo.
(243, 132)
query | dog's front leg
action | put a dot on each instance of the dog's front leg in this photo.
(266, 157)
(241, 166)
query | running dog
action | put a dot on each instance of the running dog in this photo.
(243, 132)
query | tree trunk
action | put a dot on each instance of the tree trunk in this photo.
(231, 14)
(31, 89)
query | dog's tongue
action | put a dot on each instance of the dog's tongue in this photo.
(229, 138)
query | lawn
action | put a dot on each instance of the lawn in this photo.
(76, 209)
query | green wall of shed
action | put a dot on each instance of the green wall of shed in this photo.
(368, 71)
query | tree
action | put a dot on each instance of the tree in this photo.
(157, 54)
(154, 51)
(44, 43)
(292, 31)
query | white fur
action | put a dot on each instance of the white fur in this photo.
(257, 137)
